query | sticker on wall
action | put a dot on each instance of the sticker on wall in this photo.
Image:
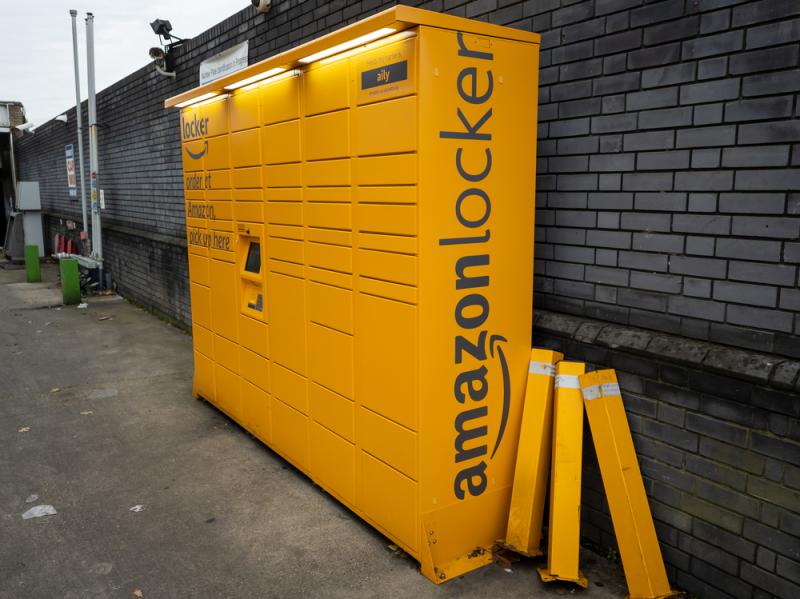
(72, 184)
(224, 63)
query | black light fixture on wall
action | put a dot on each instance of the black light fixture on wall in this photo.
(162, 28)
(163, 57)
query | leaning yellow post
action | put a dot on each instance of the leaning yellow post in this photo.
(565, 482)
(524, 532)
(627, 501)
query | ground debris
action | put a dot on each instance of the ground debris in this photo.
(24, 429)
(101, 568)
(504, 557)
(103, 393)
(38, 511)
(31, 498)
(137, 508)
(137, 593)
(55, 389)
(105, 318)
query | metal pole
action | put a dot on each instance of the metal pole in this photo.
(74, 13)
(97, 240)
(13, 170)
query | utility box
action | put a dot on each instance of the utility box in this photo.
(29, 204)
(360, 215)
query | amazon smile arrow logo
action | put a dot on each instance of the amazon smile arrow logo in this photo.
(494, 345)
(198, 155)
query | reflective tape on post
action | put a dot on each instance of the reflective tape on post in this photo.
(544, 368)
(567, 381)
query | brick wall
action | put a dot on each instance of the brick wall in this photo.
(669, 159)
(716, 431)
(667, 165)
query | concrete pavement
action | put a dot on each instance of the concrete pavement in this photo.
(106, 395)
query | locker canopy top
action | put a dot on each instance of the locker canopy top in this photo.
(388, 22)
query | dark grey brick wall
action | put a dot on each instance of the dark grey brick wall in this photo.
(667, 165)
(669, 169)
(719, 453)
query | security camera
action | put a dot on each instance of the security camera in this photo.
(24, 126)
(62, 118)
(163, 63)
(262, 6)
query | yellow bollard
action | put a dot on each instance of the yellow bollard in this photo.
(524, 532)
(627, 501)
(565, 481)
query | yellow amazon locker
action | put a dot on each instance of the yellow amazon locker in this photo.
(360, 215)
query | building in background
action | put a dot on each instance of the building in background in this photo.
(12, 114)
(668, 241)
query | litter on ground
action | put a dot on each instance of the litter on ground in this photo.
(38, 511)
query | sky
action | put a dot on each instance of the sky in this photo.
(36, 66)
